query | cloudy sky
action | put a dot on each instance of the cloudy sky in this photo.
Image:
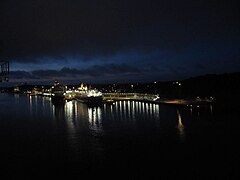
(99, 41)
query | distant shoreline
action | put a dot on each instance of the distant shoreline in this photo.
(185, 102)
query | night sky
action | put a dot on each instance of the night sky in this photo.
(100, 41)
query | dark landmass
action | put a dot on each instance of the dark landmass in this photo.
(223, 88)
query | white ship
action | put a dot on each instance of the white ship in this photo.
(89, 96)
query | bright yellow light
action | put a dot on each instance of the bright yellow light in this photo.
(180, 125)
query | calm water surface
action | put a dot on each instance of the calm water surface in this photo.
(129, 139)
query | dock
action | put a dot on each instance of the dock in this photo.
(111, 97)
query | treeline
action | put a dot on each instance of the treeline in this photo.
(223, 85)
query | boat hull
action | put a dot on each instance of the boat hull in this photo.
(58, 98)
(90, 100)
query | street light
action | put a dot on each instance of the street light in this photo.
(132, 87)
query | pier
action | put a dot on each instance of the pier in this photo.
(155, 99)
(130, 96)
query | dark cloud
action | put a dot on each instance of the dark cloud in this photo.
(199, 67)
(111, 69)
(47, 73)
(127, 40)
(22, 75)
(31, 29)
(98, 72)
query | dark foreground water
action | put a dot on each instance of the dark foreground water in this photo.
(129, 140)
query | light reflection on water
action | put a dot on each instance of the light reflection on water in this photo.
(69, 110)
(95, 119)
(180, 126)
(37, 106)
(211, 109)
(78, 116)
(128, 110)
(75, 114)
(125, 131)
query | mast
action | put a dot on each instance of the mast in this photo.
(4, 71)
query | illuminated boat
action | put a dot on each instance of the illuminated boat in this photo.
(57, 91)
(92, 96)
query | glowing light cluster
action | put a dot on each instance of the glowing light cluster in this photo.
(93, 93)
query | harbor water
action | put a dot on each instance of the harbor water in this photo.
(127, 139)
